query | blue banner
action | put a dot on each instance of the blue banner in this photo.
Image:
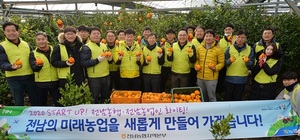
(169, 121)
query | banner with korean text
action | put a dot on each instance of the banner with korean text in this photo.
(177, 121)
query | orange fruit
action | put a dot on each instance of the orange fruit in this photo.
(103, 41)
(191, 35)
(211, 64)
(197, 92)
(262, 56)
(138, 53)
(117, 42)
(159, 50)
(188, 97)
(170, 49)
(140, 19)
(103, 54)
(148, 58)
(18, 62)
(39, 61)
(163, 40)
(232, 59)
(121, 53)
(59, 21)
(108, 54)
(190, 50)
(197, 67)
(104, 23)
(246, 59)
(119, 18)
(110, 23)
(149, 15)
(139, 37)
(71, 60)
(183, 97)
(193, 95)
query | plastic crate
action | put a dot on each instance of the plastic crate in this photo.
(186, 91)
(125, 97)
(161, 98)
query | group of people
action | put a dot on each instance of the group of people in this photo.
(122, 62)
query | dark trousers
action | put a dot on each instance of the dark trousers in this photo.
(130, 83)
(221, 80)
(165, 74)
(262, 91)
(42, 94)
(151, 83)
(19, 87)
(234, 92)
(193, 78)
(99, 86)
(179, 80)
(114, 80)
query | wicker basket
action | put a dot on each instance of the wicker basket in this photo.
(187, 91)
(149, 97)
(125, 97)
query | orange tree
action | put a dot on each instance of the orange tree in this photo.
(253, 19)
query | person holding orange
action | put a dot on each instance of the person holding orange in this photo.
(14, 60)
(181, 55)
(114, 69)
(166, 67)
(46, 78)
(239, 59)
(95, 57)
(265, 72)
(66, 57)
(153, 59)
(129, 58)
(210, 60)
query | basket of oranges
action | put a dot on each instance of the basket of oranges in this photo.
(187, 95)
(150, 97)
(125, 97)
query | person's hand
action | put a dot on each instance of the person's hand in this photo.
(100, 58)
(69, 64)
(109, 58)
(15, 67)
(147, 62)
(190, 52)
(159, 55)
(120, 57)
(261, 62)
(138, 58)
(286, 97)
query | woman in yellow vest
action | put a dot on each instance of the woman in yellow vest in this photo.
(154, 58)
(95, 58)
(265, 72)
(239, 58)
(46, 78)
(66, 57)
(113, 68)
(166, 67)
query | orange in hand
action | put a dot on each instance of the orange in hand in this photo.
(159, 50)
(197, 67)
(18, 62)
(262, 56)
(211, 64)
(170, 49)
(246, 59)
(148, 58)
(190, 50)
(191, 35)
(71, 60)
(139, 38)
(121, 53)
(138, 53)
(39, 61)
(103, 41)
(108, 54)
(117, 42)
(232, 59)
(103, 54)
(163, 40)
